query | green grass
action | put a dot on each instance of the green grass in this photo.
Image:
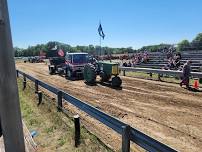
(55, 130)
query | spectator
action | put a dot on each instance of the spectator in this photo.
(146, 57)
(186, 74)
(169, 54)
(177, 63)
(178, 55)
(138, 57)
(170, 64)
(125, 64)
(176, 60)
(129, 64)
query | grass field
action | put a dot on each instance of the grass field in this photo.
(55, 131)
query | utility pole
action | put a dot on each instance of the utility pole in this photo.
(10, 116)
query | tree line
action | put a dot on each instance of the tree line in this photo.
(195, 44)
(184, 45)
(38, 49)
(49, 47)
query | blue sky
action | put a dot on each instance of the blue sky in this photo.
(125, 22)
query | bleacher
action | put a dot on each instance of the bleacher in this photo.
(158, 60)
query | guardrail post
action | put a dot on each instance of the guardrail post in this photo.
(159, 77)
(126, 138)
(124, 73)
(39, 97)
(59, 100)
(17, 73)
(24, 81)
(36, 86)
(77, 130)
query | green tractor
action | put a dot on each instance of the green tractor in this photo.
(105, 70)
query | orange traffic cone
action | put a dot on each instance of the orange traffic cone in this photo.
(196, 84)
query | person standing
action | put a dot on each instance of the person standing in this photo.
(186, 73)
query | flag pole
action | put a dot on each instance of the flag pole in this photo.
(100, 47)
(100, 41)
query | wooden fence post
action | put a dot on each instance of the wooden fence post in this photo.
(59, 100)
(77, 130)
(126, 138)
(159, 77)
(11, 122)
(39, 97)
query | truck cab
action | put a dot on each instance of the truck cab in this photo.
(75, 63)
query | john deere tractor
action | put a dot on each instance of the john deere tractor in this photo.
(106, 71)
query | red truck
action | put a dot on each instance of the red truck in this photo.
(72, 65)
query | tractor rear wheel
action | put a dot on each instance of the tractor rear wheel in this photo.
(89, 74)
(116, 81)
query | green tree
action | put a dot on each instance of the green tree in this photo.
(183, 45)
(198, 37)
(197, 42)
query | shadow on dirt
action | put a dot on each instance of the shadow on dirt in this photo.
(108, 84)
(90, 84)
(103, 84)
(73, 78)
(193, 89)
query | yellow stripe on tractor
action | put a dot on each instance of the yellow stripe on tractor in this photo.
(115, 70)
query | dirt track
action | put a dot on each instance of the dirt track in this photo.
(164, 111)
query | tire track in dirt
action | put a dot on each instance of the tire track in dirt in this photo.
(175, 113)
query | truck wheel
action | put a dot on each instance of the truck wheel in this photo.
(51, 70)
(69, 74)
(89, 73)
(116, 81)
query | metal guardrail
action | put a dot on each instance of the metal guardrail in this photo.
(159, 71)
(128, 133)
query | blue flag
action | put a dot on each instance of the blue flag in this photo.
(100, 31)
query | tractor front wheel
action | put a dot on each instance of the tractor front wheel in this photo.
(116, 81)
